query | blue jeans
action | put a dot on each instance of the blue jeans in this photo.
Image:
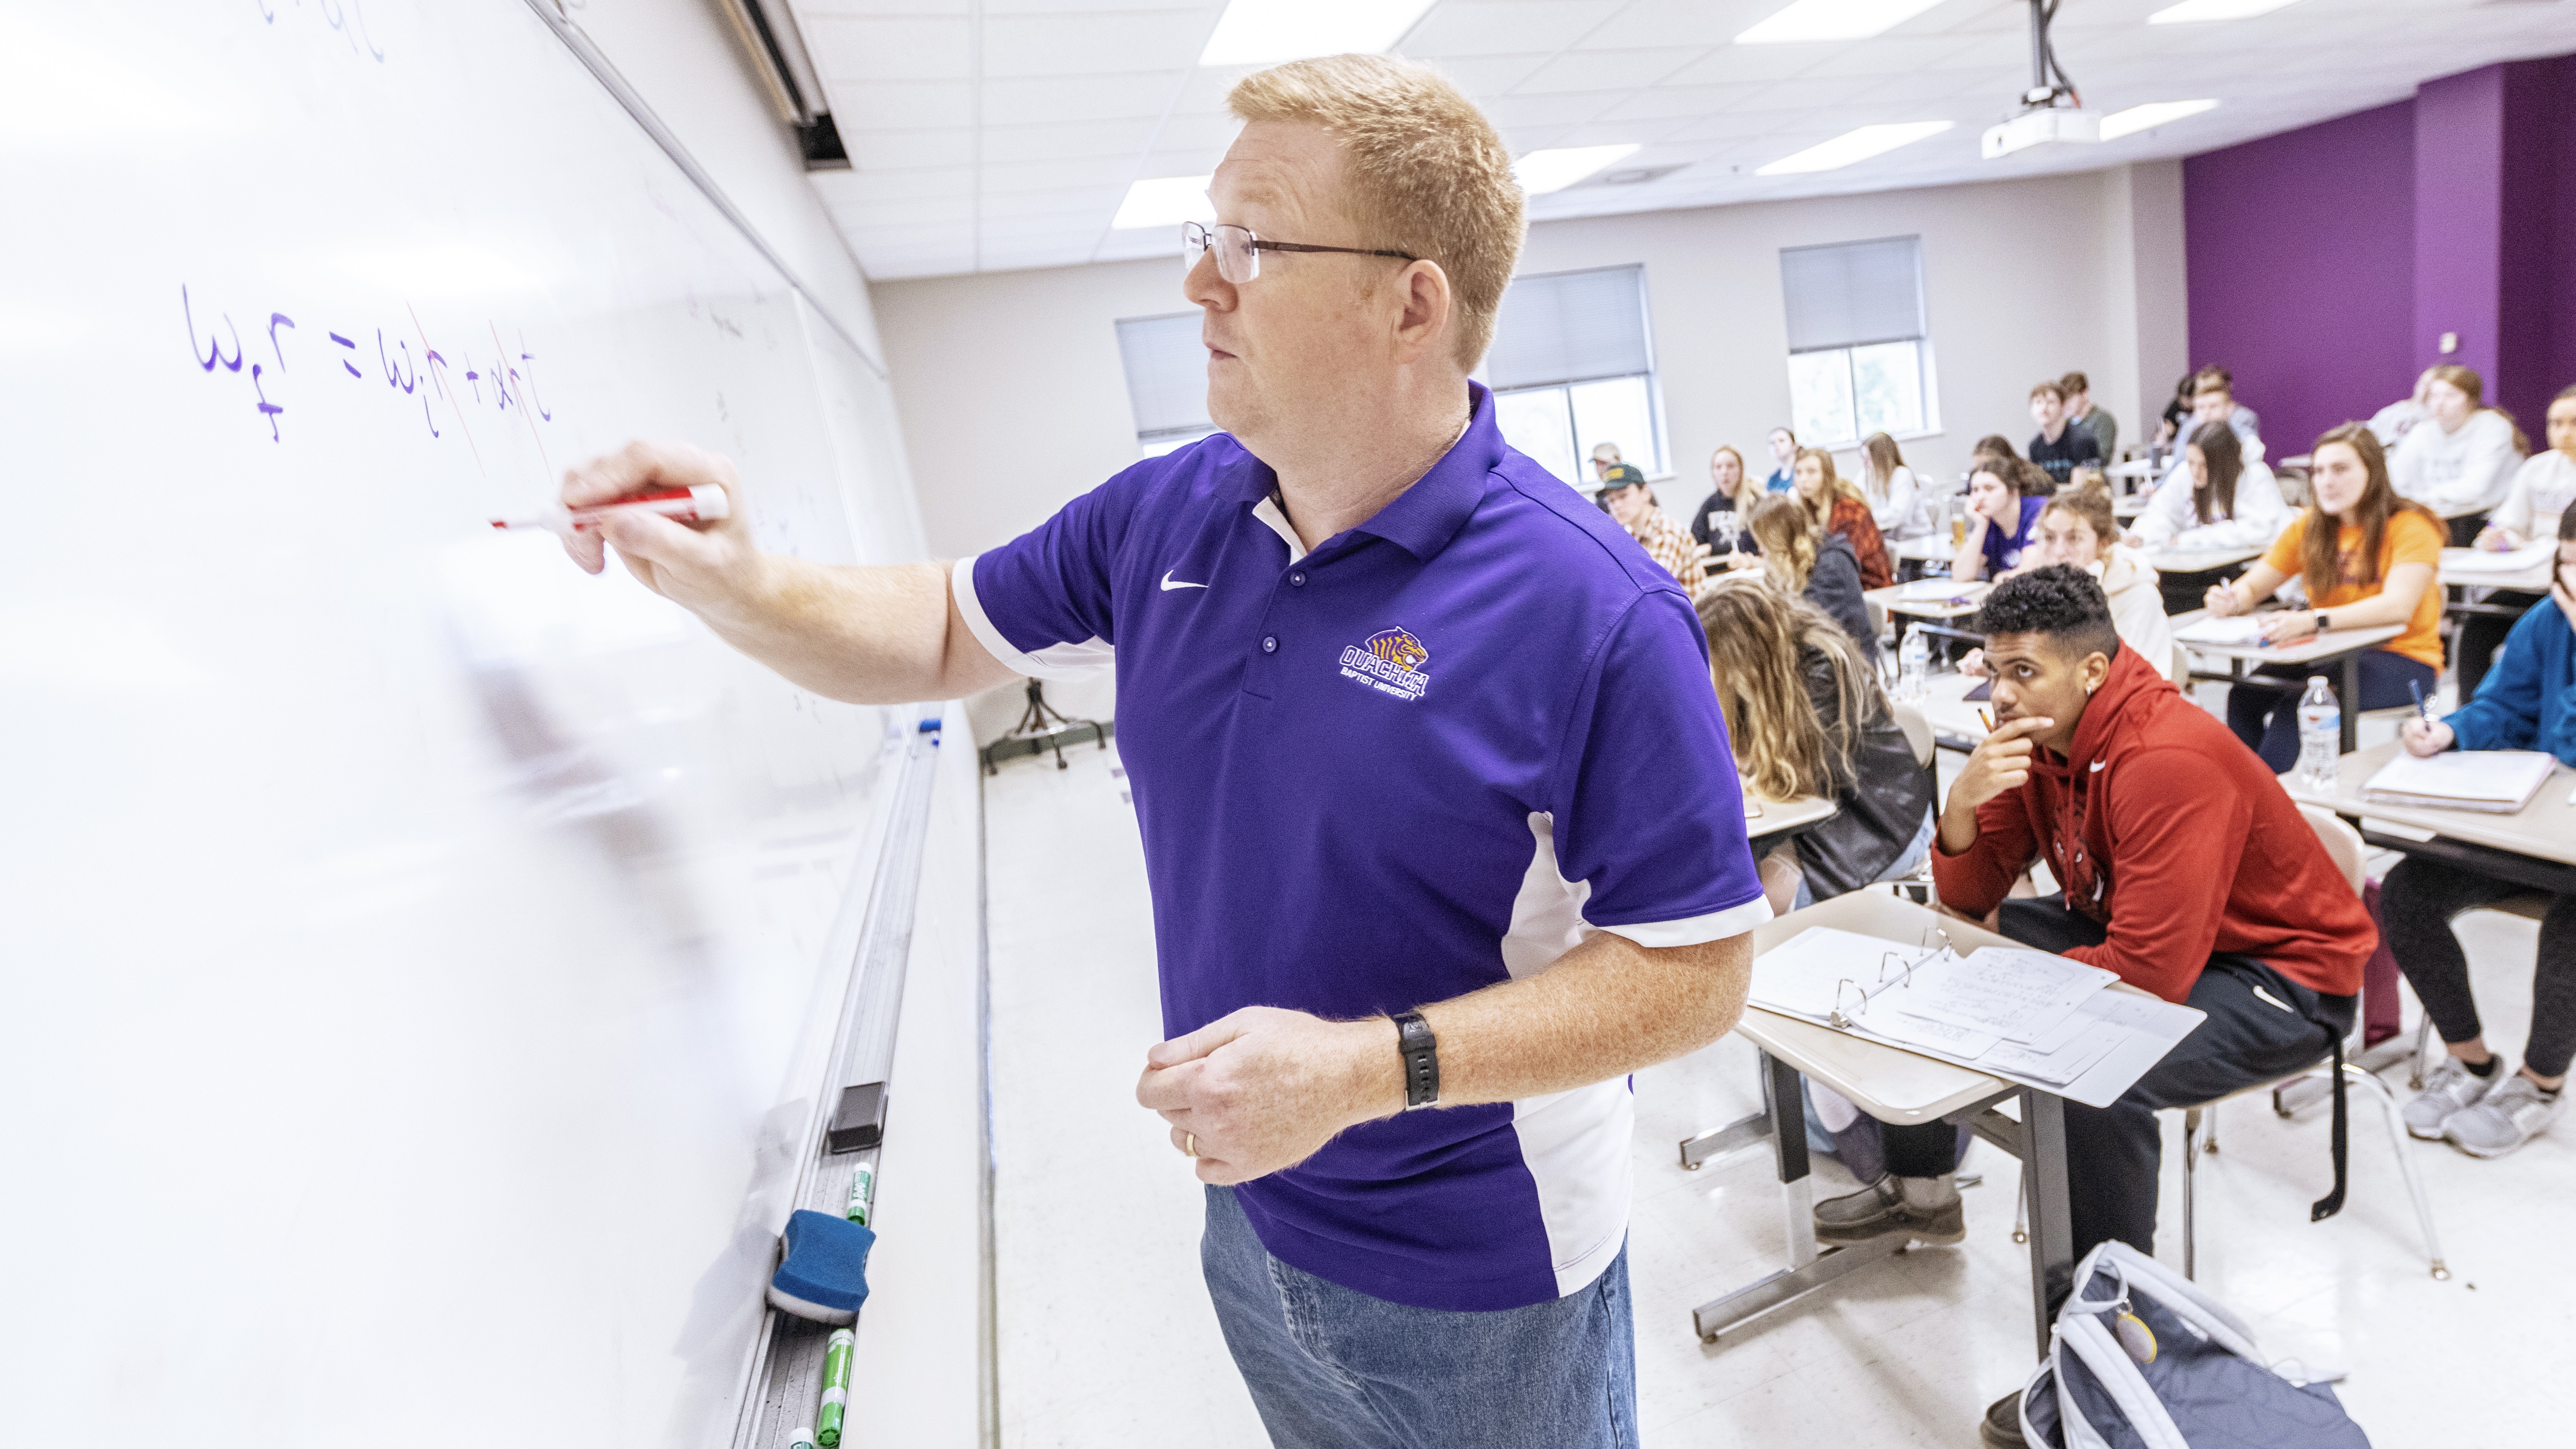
(1333, 1368)
(2265, 713)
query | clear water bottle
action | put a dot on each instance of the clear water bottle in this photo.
(1913, 662)
(2320, 735)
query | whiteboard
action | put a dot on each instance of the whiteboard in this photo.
(418, 955)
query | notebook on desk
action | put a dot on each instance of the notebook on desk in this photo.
(2507, 561)
(2494, 782)
(2239, 629)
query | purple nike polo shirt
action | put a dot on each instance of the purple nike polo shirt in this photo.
(1431, 755)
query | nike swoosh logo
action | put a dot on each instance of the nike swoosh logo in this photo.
(2097, 766)
(1168, 585)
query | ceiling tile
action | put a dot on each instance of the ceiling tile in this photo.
(1060, 139)
(1734, 64)
(1487, 75)
(1076, 98)
(1681, 22)
(1504, 27)
(1663, 102)
(861, 188)
(1098, 202)
(1515, 112)
(890, 48)
(1603, 70)
(902, 105)
(1093, 44)
(1051, 175)
(903, 150)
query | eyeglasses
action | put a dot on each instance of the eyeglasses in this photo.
(1238, 251)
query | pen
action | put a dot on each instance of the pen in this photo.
(703, 503)
(2423, 711)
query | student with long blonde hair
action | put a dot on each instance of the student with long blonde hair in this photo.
(1898, 497)
(2368, 557)
(1806, 716)
(1838, 507)
(1804, 562)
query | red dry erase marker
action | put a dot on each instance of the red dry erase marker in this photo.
(704, 503)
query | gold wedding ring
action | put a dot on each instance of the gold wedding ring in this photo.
(1191, 1146)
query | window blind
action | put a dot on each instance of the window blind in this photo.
(1570, 327)
(1854, 293)
(1166, 372)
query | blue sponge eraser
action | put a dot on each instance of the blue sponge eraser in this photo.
(825, 1276)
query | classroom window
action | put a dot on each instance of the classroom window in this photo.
(1166, 368)
(1573, 366)
(1860, 361)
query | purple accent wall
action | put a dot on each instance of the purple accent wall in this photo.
(2326, 263)
(2459, 218)
(2300, 254)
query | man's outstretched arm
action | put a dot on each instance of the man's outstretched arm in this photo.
(867, 635)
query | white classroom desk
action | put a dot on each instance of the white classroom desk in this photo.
(2341, 648)
(1769, 822)
(1930, 548)
(1892, 1085)
(2201, 560)
(2535, 847)
(1892, 600)
(1956, 722)
(2534, 579)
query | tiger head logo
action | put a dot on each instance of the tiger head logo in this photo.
(1399, 648)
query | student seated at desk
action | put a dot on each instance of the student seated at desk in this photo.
(2543, 490)
(2215, 497)
(1806, 716)
(1837, 507)
(2077, 529)
(2463, 454)
(1719, 523)
(2185, 869)
(2527, 703)
(1784, 451)
(2369, 558)
(2059, 447)
(1905, 504)
(2005, 496)
(1801, 561)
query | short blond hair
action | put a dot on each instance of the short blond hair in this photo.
(1428, 174)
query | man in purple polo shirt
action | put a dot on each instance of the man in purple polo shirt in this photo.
(1437, 802)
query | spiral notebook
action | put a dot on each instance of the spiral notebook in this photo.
(2493, 782)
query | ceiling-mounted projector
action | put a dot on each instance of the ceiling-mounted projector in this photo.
(2051, 110)
(2037, 128)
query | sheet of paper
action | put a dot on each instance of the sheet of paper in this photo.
(2510, 561)
(1802, 975)
(2062, 1065)
(2241, 629)
(2485, 775)
(2013, 994)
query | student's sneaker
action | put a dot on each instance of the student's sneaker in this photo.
(2002, 1426)
(1925, 1209)
(2451, 1090)
(2505, 1118)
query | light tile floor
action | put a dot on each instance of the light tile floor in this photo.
(1107, 1340)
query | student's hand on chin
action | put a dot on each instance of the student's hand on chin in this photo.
(2426, 737)
(1999, 764)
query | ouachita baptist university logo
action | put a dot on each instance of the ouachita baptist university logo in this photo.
(1389, 661)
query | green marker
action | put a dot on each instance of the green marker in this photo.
(863, 1191)
(836, 1386)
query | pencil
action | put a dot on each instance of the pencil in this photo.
(1989, 717)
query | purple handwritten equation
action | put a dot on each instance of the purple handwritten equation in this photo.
(503, 379)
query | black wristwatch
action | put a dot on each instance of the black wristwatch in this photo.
(1421, 1053)
(2322, 624)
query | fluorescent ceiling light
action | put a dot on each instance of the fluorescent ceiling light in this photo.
(1836, 20)
(2192, 12)
(1265, 32)
(1853, 146)
(2150, 116)
(1164, 201)
(1541, 172)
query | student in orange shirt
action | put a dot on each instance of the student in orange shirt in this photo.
(2376, 567)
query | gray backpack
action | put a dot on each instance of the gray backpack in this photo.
(2141, 1358)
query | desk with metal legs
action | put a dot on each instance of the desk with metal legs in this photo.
(1891, 1085)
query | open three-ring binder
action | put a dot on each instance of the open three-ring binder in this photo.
(2035, 1018)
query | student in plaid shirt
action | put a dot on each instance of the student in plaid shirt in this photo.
(1627, 498)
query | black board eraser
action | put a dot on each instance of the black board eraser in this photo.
(859, 1121)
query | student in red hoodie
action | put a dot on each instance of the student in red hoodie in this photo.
(2185, 869)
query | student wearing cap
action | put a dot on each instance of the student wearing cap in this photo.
(1625, 496)
(1440, 821)
(2182, 867)
(1605, 456)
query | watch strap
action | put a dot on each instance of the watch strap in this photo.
(2322, 625)
(1420, 1050)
